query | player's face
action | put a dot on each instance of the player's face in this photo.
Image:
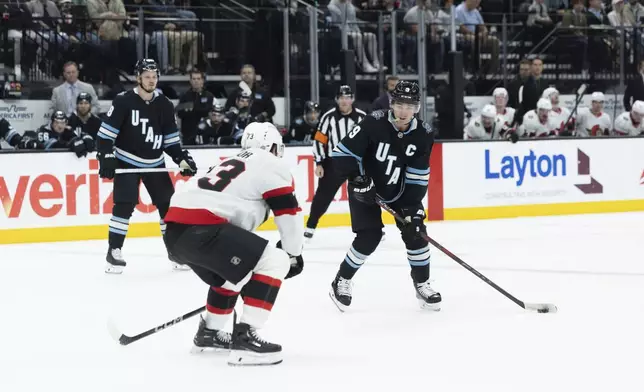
(637, 117)
(58, 126)
(216, 117)
(487, 121)
(345, 102)
(196, 81)
(242, 103)
(404, 112)
(248, 75)
(148, 81)
(312, 116)
(83, 107)
(554, 99)
(597, 106)
(500, 101)
(543, 114)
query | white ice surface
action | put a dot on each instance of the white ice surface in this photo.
(55, 301)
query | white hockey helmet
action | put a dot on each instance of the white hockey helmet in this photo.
(597, 96)
(263, 135)
(488, 113)
(544, 104)
(552, 94)
(500, 96)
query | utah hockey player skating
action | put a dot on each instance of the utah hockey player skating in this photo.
(210, 227)
(387, 156)
(138, 128)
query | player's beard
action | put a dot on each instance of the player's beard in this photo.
(149, 91)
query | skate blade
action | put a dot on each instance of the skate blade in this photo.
(208, 350)
(249, 358)
(113, 269)
(341, 307)
(436, 307)
(180, 267)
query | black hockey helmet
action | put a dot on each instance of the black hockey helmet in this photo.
(344, 91)
(310, 107)
(406, 92)
(58, 115)
(244, 95)
(84, 97)
(146, 65)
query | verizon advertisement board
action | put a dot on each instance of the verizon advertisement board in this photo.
(489, 174)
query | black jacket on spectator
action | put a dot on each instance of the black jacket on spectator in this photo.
(209, 132)
(634, 92)
(532, 90)
(513, 92)
(192, 107)
(381, 103)
(301, 131)
(262, 102)
(90, 127)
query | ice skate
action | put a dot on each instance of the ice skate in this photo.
(308, 235)
(249, 349)
(206, 339)
(115, 262)
(428, 298)
(341, 292)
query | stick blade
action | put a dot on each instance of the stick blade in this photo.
(541, 308)
(115, 333)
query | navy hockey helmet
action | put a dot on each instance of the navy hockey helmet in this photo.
(406, 92)
(344, 91)
(84, 97)
(146, 65)
(58, 115)
(310, 107)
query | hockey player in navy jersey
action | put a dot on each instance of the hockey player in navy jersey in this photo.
(139, 127)
(387, 157)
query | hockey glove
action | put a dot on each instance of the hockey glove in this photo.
(27, 143)
(513, 136)
(414, 221)
(108, 165)
(363, 189)
(89, 143)
(297, 263)
(78, 147)
(186, 163)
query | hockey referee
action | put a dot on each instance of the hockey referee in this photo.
(139, 127)
(333, 126)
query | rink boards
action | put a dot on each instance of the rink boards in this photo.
(58, 197)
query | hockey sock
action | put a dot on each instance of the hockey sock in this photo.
(163, 227)
(363, 245)
(119, 224)
(259, 296)
(220, 305)
(419, 262)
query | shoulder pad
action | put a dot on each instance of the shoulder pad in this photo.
(377, 114)
(299, 121)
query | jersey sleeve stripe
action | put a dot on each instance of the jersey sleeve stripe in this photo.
(417, 177)
(416, 182)
(287, 190)
(283, 204)
(170, 142)
(171, 135)
(417, 171)
(106, 133)
(50, 143)
(109, 127)
(197, 216)
(342, 148)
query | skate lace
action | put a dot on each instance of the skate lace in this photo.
(344, 287)
(116, 253)
(224, 337)
(425, 289)
(256, 336)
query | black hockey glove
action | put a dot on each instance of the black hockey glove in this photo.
(363, 189)
(297, 263)
(108, 165)
(186, 163)
(78, 147)
(414, 221)
(513, 136)
(89, 143)
(27, 143)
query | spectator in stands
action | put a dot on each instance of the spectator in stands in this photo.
(342, 11)
(45, 30)
(194, 105)
(63, 97)
(574, 26)
(531, 90)
(539, 21)
(617, 17)
(158, 38)
(382, 102)
(434, 43)
(470, 20)
(598, 41)
(635, 88)
(515, 85)
(179, 34)
(634, 12)
(263, 108)
(386, 9)
(108, 16)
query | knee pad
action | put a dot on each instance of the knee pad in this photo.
(274, 263)
(414, 240)
(367, 241)
(123, 210)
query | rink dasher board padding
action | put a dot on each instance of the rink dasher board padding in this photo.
(59, 197)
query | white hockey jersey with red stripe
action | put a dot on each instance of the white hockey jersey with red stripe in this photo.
(590, 124)
(242, 190)
(624, 126)
(559, 116)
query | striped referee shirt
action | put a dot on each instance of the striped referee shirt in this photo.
(332, 128)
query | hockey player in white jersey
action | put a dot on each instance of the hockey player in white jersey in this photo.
(559, 115)
(593, 121)
(210, 223)
(483, 126)
(630, 123)
(537, 122)
(503, 111)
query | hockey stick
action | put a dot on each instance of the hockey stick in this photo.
(124, 340)
(580, 95)
(540, 308)
(148, 170)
